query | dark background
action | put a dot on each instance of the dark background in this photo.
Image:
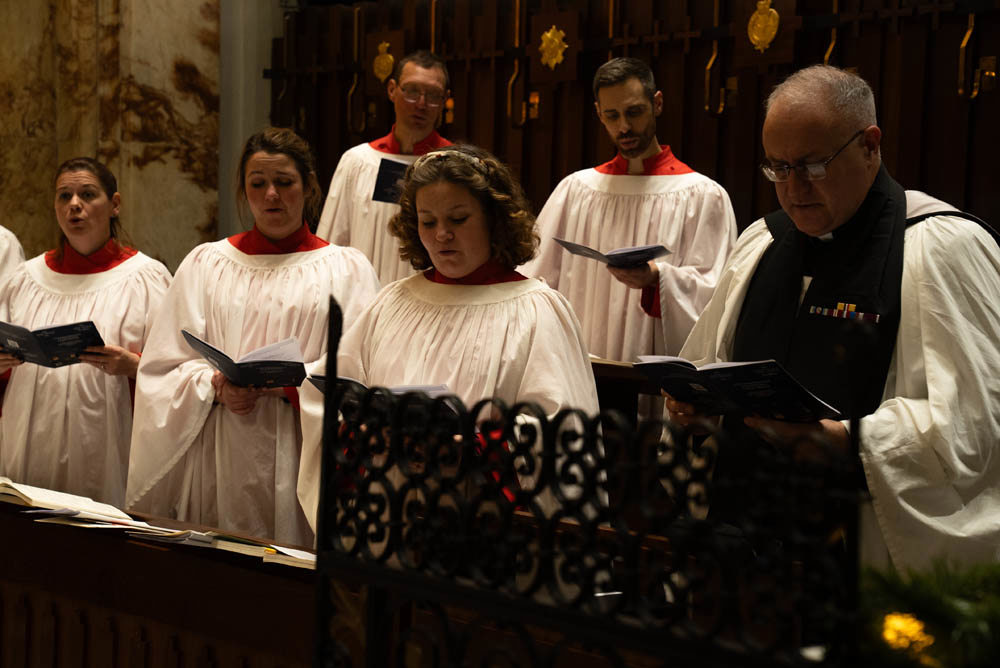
(934, 139)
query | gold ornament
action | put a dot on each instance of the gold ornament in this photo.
(763, 25)
(383, 63)
(552, 47)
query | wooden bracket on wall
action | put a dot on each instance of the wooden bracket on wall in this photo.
(833, 35)
(961, 53)
(715, 110)
(433, 24)
(516, 73)
(357, 75)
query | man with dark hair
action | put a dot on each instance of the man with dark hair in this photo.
(850, 251)
(357, 213)
(644, 196)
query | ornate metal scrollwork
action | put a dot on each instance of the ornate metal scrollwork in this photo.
(578, 523)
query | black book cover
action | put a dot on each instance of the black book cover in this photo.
(264, 373)
(50, 346)
(388, 183)
(761, 388)
(357, 386)
(624, 258)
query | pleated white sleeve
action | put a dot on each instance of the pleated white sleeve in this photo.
(196, 460)
(352, 218)
(689, 214)
(69, 428)
(929, 450)
(11, 253)
(516, 341)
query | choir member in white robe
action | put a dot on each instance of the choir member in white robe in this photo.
(355, 213)
(68, 428)
(930, 419)
(644, 196)
(11, 253)
(207, 451)
(469, 321)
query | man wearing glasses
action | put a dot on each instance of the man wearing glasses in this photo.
(883, 302)
(362, 195)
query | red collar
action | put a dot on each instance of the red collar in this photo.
(488, 273)
(389, 143)
(106, 257)
(664, 162)
(255, 243)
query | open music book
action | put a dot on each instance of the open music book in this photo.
(625, 258)
(49, 346)
(276, 365)
(37, 497)
(356, 385)
(762, 388)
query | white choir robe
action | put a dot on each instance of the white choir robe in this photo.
(69, 428)
(352, 218)
(197, 461)
(11, 253)
(689, 214)
(517, 341)
(929, 450)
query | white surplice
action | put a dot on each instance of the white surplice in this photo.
(689, 214)
(196, 460)
(930, 449)
(517, 341)
(11, 253)
(352, 218)
(68, 428)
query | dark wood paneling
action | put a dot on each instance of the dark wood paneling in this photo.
(82, 599)
(907, 49)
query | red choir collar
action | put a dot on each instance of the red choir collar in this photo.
(255, 243)
(488, 273)
(389, 143)
(110, 255)
(664, 162)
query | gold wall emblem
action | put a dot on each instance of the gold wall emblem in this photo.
(763, 25)
(552, 47)
(383, 62)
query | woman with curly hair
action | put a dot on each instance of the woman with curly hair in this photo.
(469, 320)
(206, 450)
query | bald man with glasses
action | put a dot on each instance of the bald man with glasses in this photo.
(883, 302)
(362, 195)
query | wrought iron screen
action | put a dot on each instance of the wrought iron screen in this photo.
(498, 536)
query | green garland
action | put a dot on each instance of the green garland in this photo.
(948, 617)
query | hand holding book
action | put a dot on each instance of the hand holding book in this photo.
(52, 347)
(761, 389)
(633, 256)
(276, 365)
(239, 400)
(112, 360)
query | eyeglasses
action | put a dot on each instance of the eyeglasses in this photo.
(412, 94)
(810, 171)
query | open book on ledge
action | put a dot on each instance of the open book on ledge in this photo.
(49, 346)
(762, 388)
(48, 499)
(432, 391)
(276, 365)
(634, 256)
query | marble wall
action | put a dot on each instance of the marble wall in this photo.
(134, 83)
